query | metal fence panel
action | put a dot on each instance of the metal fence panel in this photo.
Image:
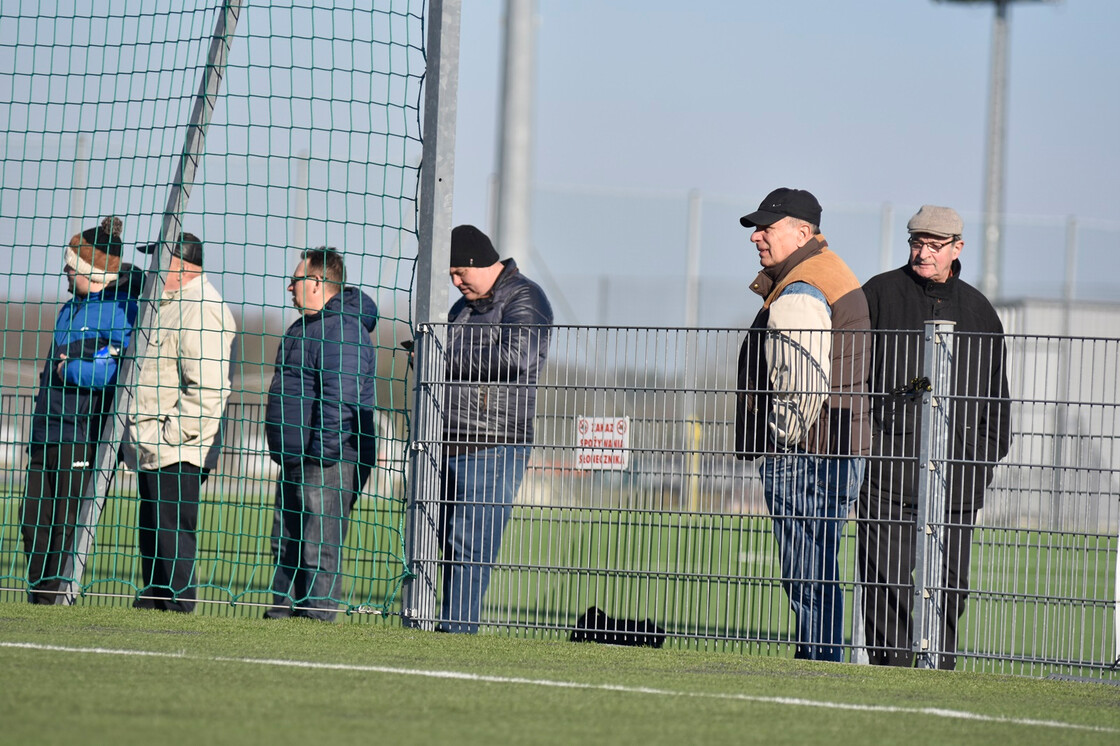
(676, 532)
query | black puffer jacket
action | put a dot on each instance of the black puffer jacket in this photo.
(496, 347)
(981, 412)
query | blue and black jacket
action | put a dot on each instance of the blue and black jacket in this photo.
(93, 332)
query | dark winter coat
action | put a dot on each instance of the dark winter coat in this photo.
(321, 401)
(981, 408)
(496, 347)
(92, 332)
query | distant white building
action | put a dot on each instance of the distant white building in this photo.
(1063, 471)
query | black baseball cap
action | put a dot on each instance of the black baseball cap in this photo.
(785, 203)
(188, 248)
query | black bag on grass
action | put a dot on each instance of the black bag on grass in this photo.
(594, 625)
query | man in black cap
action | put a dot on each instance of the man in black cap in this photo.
(928, 286)
(497, 343)
(76, 392)
(181, 396)
(802, 406)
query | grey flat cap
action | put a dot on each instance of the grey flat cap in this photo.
(936, 221)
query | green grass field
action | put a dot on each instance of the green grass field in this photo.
(1040, 599)
(95, 675)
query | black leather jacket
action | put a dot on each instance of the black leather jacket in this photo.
(496, 347)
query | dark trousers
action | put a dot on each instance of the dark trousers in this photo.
(887, 544)
(56, 479)
(168, 543)
(313, 503)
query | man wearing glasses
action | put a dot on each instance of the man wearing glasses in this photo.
(927, 287)
(319, 423)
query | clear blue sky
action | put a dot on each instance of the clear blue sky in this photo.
(861, 102)
(864, 102)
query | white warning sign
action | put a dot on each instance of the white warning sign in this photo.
(604, 442)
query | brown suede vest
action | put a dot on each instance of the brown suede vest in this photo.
(843, 426)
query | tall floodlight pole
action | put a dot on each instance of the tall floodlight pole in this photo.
(994, 168)
(515, 141)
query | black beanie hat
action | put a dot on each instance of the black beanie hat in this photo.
(105, 237)
(470, 247)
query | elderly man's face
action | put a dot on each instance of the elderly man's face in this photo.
(775, 242)
(932, 257)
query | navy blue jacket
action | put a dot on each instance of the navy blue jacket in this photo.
(321, 401)
(496, 347)
(92, 332)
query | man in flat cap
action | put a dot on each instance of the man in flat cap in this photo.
(927, 287)
(175, 424)
(802, 406)
(76, 392)
(497, 342)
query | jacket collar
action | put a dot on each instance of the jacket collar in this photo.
(937, 289)
(190, 286)
(509, 271)
(771, 276)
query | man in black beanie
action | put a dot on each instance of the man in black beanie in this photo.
(497, 343)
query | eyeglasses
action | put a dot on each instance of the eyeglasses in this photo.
(934, 247)
(294, 280)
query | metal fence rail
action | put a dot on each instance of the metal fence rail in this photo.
(235, 562)
(674, 529)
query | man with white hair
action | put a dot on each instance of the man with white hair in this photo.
(802, 406)
(180, 399)
(927, 287)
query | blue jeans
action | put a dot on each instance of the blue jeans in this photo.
(313, 502)
(479, 488)
(809, 498)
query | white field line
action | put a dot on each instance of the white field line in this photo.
(460, 676)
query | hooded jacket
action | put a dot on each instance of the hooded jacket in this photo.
(900, 302)
(92, 332)
(183, 387)
(321, 401)
(496, 347)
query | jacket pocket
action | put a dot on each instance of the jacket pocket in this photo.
(176, 434)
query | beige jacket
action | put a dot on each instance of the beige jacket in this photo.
(184, 379)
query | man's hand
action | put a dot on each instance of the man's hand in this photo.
(59, 368)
